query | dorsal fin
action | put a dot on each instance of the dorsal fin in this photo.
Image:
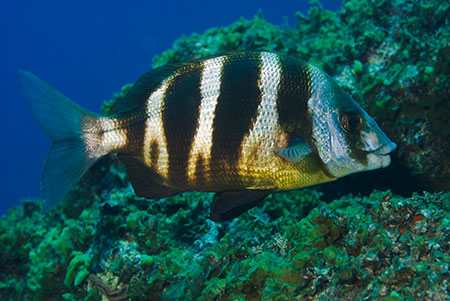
(145, 85)
(150, 81)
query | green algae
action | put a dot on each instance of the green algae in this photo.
(78, 269)
(393, 57)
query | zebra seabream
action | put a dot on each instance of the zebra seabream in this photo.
(243, 125)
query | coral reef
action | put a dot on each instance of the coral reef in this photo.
(103, 242)
(292, 246)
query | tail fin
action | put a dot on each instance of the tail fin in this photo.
(61, 120)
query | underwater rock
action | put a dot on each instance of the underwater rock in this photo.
(104, 242)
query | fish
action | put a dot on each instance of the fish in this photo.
(242, 125)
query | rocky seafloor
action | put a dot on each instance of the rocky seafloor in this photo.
(377, 235)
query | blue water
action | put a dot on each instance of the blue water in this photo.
(87, 50)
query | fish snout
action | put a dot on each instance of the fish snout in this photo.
(380, 158)
(385, 149)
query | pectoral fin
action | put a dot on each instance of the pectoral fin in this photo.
(230, 204)
(297, 150)
(144, 180)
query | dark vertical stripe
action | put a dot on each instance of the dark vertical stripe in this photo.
(236, 110)
(200, 172)
(135, 141)
(180, 113)
(293, 94)
(134, 121)
(154, 154)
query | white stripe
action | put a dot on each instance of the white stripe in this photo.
(265, 132)
(112, 138)
(154, 131)
(210, 90)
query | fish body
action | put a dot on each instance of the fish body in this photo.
(242, 124)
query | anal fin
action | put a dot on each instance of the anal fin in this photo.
(230, 204)
(145, 180)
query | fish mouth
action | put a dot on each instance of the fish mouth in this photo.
(382, 154)
(385, 149)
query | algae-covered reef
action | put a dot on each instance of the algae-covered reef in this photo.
(102, 242)
(294, 246)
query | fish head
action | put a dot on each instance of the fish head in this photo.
(346, 138)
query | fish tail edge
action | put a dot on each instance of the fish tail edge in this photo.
(61, 120)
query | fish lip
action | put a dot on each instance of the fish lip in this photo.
(385, 149)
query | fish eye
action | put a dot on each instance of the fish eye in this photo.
(351, 121)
